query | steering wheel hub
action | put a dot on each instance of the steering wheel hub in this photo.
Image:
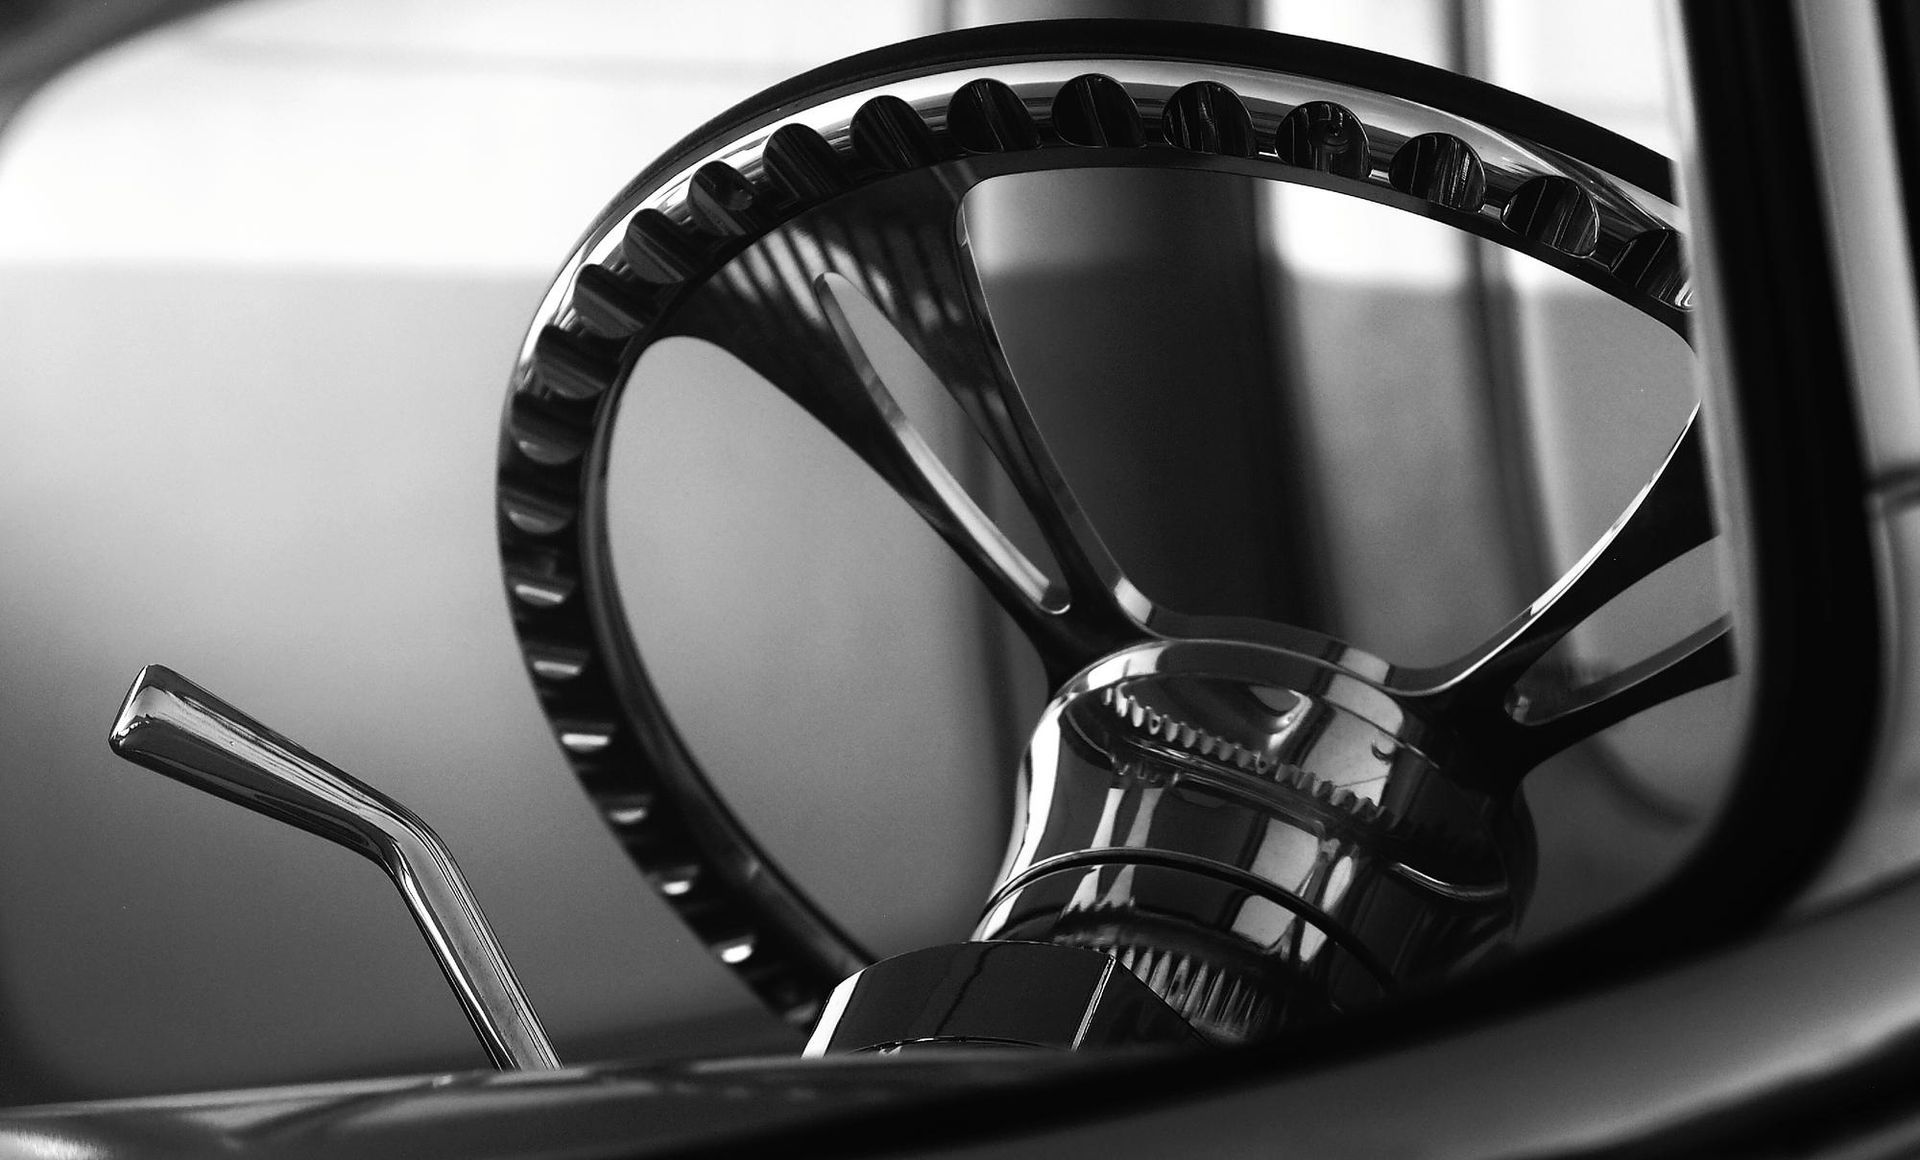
(1262, 835)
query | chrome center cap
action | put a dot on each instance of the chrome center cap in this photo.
(1263, 836)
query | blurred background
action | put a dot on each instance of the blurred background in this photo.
(263, 273)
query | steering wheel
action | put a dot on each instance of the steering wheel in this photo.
(1316, 828)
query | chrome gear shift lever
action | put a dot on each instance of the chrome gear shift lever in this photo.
(173, 726)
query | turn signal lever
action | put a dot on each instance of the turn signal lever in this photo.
(173, 726)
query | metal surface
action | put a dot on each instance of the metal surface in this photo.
(755, 238)
(172, 726)
(993, 996)
(1283, 824)
(1258, 834)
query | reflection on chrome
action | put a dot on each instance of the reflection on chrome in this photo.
(1262, 836)
(173, 726)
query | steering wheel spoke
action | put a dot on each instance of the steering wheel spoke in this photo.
(1669, 517)
(784, 308)
(1543, 726)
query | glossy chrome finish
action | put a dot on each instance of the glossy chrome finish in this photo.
(173, 726)
(995, 995)
(753, 237)
(1519, 725)
(1263, 836)
(780, 306)
(1307, 828)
